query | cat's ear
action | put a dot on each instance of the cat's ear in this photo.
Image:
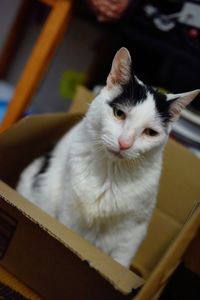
(121, 68)
(179, 102)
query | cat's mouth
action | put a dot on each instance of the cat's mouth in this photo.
(115, 153)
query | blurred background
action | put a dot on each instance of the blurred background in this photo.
(162, 36)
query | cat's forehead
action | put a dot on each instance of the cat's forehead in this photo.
(135, 92)
(131, 93)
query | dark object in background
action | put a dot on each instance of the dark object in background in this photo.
(9, 294)
(183, 285)
(167, 59)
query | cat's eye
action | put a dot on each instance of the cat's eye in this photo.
(150, 132)
(118, 113)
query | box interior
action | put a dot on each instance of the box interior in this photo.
(41, 250)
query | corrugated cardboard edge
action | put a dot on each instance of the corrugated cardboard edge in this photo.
(171, 258)
(122, 279)
(11, 281)
(82, 100)
(48, 121)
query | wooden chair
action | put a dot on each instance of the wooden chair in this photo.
(39, 60)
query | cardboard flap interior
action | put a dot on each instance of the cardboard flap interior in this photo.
(179, 186)
(28, 139)
(178, 194)
(31, 219)
(162, 231)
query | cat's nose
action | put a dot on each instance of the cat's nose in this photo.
(125, 144)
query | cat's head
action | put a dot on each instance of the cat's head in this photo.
(130, 118)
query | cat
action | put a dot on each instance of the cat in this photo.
(102, 177)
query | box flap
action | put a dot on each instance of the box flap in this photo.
(28, 139)
(179, 186)
(35, 128)
(171, 258)
(178, 193)
(81, 101)
(122, 279)
(163, 229)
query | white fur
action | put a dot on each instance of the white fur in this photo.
(106, 199)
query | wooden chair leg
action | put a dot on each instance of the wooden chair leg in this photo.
(38, 62)
(11, 281)
(17, 28)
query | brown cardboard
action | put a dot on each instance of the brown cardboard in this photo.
(8, 279)
(43, 246)
(170, 259)
(34, 136)
(64, 268)
(179, 191)
(184, 171)
(162, 231)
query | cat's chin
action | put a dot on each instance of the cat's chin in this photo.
(116, 155)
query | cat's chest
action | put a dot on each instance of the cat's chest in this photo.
(98, 179)
(103, 189)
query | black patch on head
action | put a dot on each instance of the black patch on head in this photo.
(44, 167)
(162, 105)
(133, 92)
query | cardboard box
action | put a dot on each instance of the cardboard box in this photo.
(56, 262)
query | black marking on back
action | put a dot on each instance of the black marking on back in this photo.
(45, 163)
(44, 167)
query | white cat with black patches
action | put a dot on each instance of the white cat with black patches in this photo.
(102, 177)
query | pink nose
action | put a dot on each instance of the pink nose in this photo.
(124, 145)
